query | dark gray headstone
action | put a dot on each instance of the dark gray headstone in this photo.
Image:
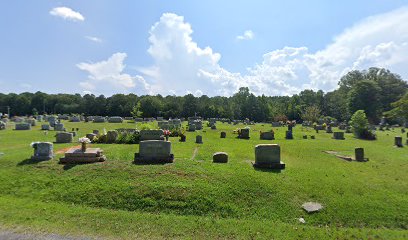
(220, 157)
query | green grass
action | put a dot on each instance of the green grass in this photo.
(194, 198)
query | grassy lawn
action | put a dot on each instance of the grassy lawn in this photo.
(194, 198)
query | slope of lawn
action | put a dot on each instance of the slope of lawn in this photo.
(194, 197)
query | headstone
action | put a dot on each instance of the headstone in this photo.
(213, 127)
(191, 127)
(359, 155)
(220, 157)
(23, 126)
(96, 132)
(223, 135)
(199, 139)
(98, 119)
(115, 120)
(289, 135)
(268, 156)
(52, 120)
(2, 125)
(319, 127)
(312, 137)
(151, 135)
(42, 151)
(290, 127)
(112, 136)
(276, 124)
(73, 133)
(338, 135)
(164, 125)
(91, 136)
(243, 133)
(304, 136)
(154, 151)
(91, 155)
(267, 135)
(64, 137)
(329, 129)
(75, 119)
(32, 121)
(398, 141)
(138, 119)
(59, 127)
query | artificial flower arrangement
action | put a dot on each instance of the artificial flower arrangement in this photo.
(166, 134)
(84, 141)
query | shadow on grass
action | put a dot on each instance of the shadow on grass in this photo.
(30, 161)
(267, 170)
(152, 163)
(68, 166)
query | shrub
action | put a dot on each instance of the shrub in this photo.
(359, 124)
(128, 138)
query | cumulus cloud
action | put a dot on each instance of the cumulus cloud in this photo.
(181, 65)
(94, 39)
(109, 74)
(67, 13)
(248, 35)
(178, 59)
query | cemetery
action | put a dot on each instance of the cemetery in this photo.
(293, 174)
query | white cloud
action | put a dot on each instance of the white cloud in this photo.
(108, 75)
(182, 66)
(67, 13)
(178, 59)
(94, 39)
(248, 35)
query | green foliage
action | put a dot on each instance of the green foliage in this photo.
(128, 138)
(366, 95)
(136, 113)
(359, 124)
(400, 108)
(145, 126)
(311, 113)
(372, 90)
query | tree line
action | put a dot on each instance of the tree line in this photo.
(375, 90)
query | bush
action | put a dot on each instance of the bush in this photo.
(359, 124)
(128, 138)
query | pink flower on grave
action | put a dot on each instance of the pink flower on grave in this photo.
(166, 133)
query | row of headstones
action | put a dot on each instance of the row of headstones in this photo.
(170, 124)
(154, 151)
(158, 119)
(194, 125)
(244, 134)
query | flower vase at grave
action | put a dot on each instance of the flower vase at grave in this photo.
(83, 147)
(167, 137)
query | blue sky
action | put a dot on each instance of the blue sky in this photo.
(199, 47)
